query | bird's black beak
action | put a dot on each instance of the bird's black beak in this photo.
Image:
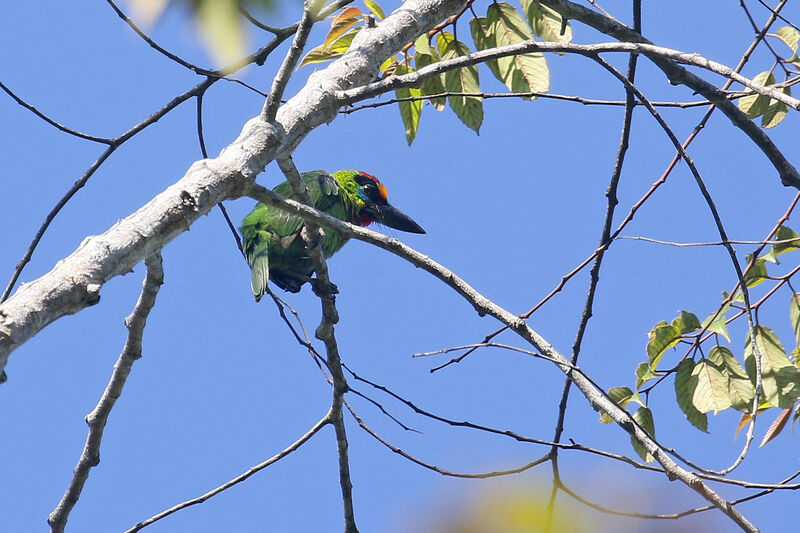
(394, 218)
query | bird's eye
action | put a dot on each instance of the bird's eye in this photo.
(371, 191)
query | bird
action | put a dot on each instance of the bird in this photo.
(273, 245)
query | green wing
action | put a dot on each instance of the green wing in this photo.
(325, 194)
(272, 237)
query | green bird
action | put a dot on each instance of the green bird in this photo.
(272, 242)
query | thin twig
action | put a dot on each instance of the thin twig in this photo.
(97, 419)
(238, 479)
(78, 185)
(712, 243)
(594, 273)
(680, 514)
(778, 58)
(776, 13)
(254, 21)
(287, 67)
(551, 96)
(731, 252)
(679, 75)
(439, 470)
(155, 46)
(52, 122)
(202, 141)
(639, 203)
(658, 53)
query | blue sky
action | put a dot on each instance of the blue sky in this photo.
(223, 385)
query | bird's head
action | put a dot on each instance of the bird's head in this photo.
(373, 205)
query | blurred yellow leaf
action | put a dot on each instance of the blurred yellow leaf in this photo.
(221, 26)
(146, 12)
(219, 23)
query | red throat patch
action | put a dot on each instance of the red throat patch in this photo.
(366, 220)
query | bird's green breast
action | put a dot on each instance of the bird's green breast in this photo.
(277, 232)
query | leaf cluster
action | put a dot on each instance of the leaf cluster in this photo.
(717, 380)
(460, 89)
(771, 111)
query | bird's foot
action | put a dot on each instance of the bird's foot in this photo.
(324, 290)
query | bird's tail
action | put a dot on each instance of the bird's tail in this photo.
(259, 263)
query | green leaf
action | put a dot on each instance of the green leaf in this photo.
(711, 390)
(221, 26)
(337, 48)
(620, 396)
(375, 8)
(484, 40)
(794, 315)
(716, 322)
(738, 296)
(741, 393)
(784, 233)
(756, 272)
(464, 80)
(662, 337)
(644, 374)
(686, 322)
(776, 111)
(520, 73)
(410, 111)
(425, 55)
(755, 104)
(740, 390)
(644, 417)
(780, 379)
(789, 36)
(546, 22)
(423, 46)
(685, 385)
(723, 358)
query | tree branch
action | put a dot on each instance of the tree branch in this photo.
(677, 74)
(439, 470)
(98, 418)
(61, 127)
(483, 306)
(594, 273)
(664, 58)
(238, 479)
(287, 67)
(413, 79)
(75, 282)
(325, 332)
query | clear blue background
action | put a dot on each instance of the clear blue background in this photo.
(223, 385)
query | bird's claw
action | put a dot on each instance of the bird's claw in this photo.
(324, 290)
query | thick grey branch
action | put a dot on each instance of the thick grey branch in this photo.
(75, 282)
